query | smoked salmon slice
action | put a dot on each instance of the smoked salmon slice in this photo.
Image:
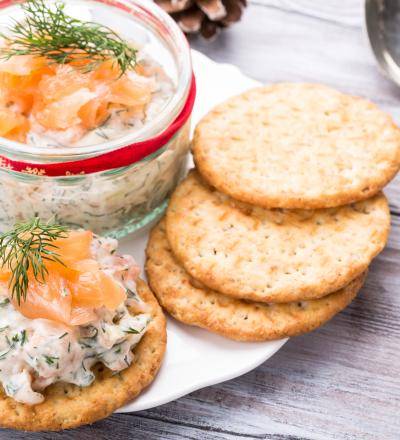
(72, 289)
(65, 97)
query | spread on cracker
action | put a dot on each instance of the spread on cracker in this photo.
(65, 299)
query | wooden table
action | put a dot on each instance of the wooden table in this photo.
(342, 381)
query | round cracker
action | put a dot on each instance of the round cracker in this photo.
(297, 146)
(272, 255)
(68, 406)
(194, 304)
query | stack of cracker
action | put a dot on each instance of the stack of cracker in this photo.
(273, 233)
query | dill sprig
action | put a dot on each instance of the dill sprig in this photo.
(25, 249)
(49, 32)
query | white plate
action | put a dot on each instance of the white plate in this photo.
(196, 358)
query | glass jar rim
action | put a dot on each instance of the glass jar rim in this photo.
(156, 17)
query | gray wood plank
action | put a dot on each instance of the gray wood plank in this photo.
(349, 12)
(342, 381)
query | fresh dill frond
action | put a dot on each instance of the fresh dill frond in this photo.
(25, 249)
(47, 31)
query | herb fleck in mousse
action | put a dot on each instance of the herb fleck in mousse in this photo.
(66, 82)
(64, 298)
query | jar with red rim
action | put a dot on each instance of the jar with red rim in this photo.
(118, 179)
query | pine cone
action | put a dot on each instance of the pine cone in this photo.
(204, 16)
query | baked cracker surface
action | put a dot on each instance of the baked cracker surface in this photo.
(294, 145)
(192, 303)
(272, 255)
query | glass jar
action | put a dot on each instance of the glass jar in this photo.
(114, 201)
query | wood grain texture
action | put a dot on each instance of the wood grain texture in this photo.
(342, 381)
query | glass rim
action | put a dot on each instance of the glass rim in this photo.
(103, 173)
(155, 18)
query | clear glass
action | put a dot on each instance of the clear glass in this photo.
(116, 201)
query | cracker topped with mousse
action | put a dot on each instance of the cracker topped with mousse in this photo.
(76, 323)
